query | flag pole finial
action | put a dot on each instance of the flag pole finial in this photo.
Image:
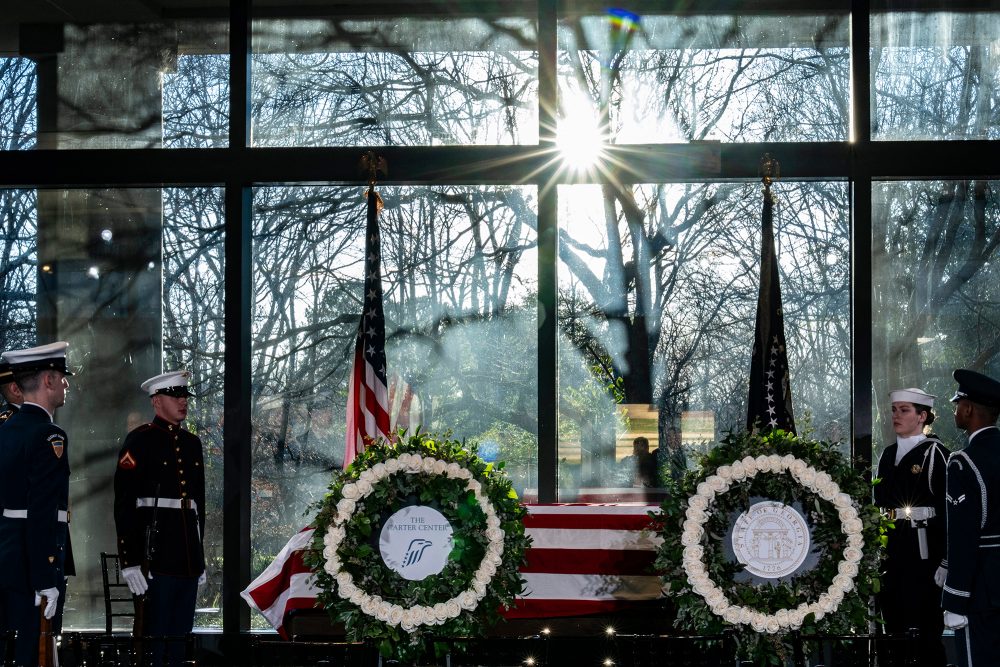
(770, 171)
(372, 165)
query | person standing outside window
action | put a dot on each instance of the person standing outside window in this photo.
(912, 490)
(160, 516)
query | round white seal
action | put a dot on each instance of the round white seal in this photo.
(771, 539)
(415, 542)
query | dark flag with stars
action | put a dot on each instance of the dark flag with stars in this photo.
(367, 393)
(769, 405)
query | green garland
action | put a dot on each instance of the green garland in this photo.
(465, 607)
(851, 615)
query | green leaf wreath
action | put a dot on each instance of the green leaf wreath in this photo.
(405, 618)
(847, 536)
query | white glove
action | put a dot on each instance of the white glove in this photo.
(136, 582)
(203, 578)
(940, 576)
(51, 596)
(955, 621)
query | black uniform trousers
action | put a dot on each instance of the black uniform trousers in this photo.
(170, 605)
(25, 619)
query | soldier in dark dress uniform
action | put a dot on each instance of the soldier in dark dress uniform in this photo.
(160, 514)
(912, 490)
(34, 494)
(971, 598)
(10, 391)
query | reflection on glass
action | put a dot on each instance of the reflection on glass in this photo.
(132, 279)
(395, 81)
(658, 79)
(657, 300)
(116, 85)
(934, 75)
(459, 276)
(935, 293)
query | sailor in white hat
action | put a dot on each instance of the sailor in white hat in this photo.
(912, 491)
(34, 494)
(160, 514)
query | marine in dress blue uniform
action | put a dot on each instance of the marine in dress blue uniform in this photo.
(912, 490)
(971, 597)
(160, 513)
(34, 495)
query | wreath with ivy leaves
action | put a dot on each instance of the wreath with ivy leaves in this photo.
(406, 618)
(707, 584)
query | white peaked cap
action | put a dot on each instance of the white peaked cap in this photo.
(912, 395)
(43, 357)
(173, 383)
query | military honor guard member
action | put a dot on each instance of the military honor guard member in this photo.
(912, 490)
(971, 598)
(34, 494)
(10, 391)
(160, 515)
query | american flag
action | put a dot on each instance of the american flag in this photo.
(367, 393)
(584, 559)
(769, 405)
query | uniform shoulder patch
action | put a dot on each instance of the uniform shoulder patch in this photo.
(58, 443)
(127, 461)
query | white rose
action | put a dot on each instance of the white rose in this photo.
(346, 506)
(775, 463)
(826, 604)
(846, 514)
(474, 486)
(331, 566)
(852, 525)
(428, 465)
(787, 461)
(745, 615)
(853, 555)
(366, 476)
(843, 582)
(440, 467)
(453, 469)
(715, 597)
(344, 578)
(828, 490)
(334, 536)
(843, 501)
(705, 490)
(690, 538)
(848, 568)
(771, 625)
(494, 535)
(479, 587)
(796, 617)
(716, 483)
(488, 567)
(797, 467)
(350, 491)
(468, 600)
(439, 611)
(395, 615)
(696, 515)
(364, 487)
(856, 541)
(482, 578)
(758, 622)
(452, 608)
(348, 591)
(750, 465)
(725, 472)
(695, 552)
(732, 615)
(392, 466)
(807, 477)
(698, 502)
(492, 520)
(407, 626)
(739, 471)
(463, 473)
(781, 616)
(379, 470)
(763, 463)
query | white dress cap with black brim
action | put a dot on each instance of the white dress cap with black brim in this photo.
(50, 357)
(912, 395)
(976, 387)
(171, 383)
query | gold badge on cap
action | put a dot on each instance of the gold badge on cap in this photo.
(58, 444)
(916, 469)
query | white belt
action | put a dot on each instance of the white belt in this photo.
(169, 503)
(61, 515)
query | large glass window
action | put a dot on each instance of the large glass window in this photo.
(935, 75)
(410, 81)
(658, 79)
(131, 278)
(935, 293)
(459, 277)
(657, 299)
(125, 84)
